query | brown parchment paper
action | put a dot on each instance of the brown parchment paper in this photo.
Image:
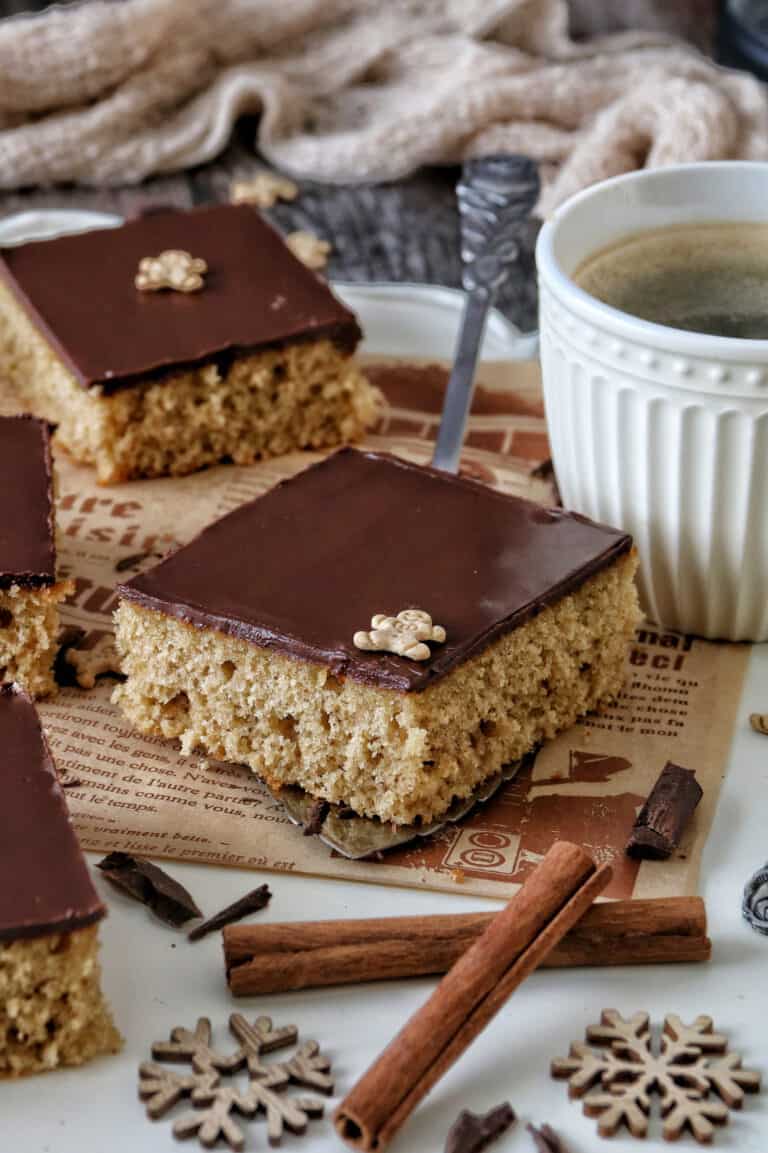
(140, 795)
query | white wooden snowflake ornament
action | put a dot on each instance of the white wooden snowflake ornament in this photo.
(694, 1078)
(214, 1103)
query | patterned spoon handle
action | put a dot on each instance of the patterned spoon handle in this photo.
(496, 195)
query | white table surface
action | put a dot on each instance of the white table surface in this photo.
(154, 979)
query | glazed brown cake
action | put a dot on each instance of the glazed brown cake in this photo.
(257, 362)
(51, 1007)
(243, 643)
(29, 590)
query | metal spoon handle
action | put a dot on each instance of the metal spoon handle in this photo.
(496, 195)
(461, 383)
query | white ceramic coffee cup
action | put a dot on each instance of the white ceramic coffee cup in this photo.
(660, 431)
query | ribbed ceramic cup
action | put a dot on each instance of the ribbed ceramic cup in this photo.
(659, 431)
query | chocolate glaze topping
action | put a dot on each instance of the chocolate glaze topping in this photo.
(80, 290)
(27, 534)
(46, 885)
(305, 566)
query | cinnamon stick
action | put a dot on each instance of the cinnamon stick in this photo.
(279, 958)
(555, 897)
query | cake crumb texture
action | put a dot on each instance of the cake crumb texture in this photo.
(29, 628)
(304, 394)
(52, 1011)
(397, 756)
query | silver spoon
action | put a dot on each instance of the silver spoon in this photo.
(496, 195)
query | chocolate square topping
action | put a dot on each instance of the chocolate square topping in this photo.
(46, 886)
(305, 566)
(80, 290)
(27, 535)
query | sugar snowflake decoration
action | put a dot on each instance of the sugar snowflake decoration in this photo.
(214, 1103)
(696, 1080)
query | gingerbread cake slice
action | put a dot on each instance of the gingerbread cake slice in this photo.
(179, 340)
(51, 1007)
(30, 592)
(256, 642)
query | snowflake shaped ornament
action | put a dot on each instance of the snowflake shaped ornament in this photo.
(696, 1080)
(214, 1103)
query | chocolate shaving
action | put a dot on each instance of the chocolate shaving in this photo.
(759, 722)
(546, 1140)
(133, 561)
(546, 471)
(657, 831)
(318, 812)
(69, 638)
(543, 471)
(250, 903)
(70, 782)
(471, 1132)
(345, 813)
(151, 885)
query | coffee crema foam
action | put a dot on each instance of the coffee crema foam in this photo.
(710, 277)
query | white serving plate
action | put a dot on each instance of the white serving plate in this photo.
(154, 979)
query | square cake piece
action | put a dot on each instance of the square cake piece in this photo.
(29, 591)
(249, 354)
(246, 642)
(51, 1007)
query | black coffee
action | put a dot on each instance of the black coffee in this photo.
(710, 277)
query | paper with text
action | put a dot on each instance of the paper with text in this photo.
(140, 795)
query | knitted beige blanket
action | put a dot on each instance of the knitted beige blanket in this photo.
(356, 90)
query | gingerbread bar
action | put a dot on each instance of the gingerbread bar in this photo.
(29, 591)
(177, 341)
(51, 1008)
(247, 643)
